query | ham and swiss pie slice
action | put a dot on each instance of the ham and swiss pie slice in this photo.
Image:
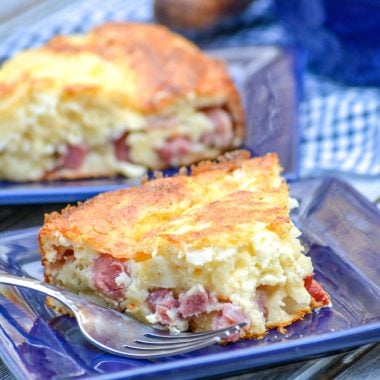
(120, 99)
(196, 251)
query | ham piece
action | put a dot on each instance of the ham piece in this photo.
(221, 135)
(173, 149)
(261, 300)
(162, 297)
(74, 157)
(229, 315)
(195, 301)
(172, 312)
(121, 148)
(316, 290)
(105, 271)
(164, 305)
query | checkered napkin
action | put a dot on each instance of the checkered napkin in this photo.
(340, 126)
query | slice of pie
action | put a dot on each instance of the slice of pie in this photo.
(198, 251)
(120, 99)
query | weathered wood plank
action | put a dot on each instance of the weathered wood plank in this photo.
(22, 216)
(360, 363)
(366, 367)
(4, 372)
(299, 370)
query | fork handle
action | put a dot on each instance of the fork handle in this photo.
(66, 298)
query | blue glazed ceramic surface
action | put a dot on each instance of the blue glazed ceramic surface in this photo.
(341, 231)
(341, 37)
(268, 79)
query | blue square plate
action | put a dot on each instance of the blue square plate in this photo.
(342, 232)
(268, 79)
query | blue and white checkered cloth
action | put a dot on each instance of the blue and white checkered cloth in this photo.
(340, 126)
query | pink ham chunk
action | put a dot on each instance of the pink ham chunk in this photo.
(121, 148)
(194, 302)
(174, 149)
(74, 157)
(229, 315)
(171, 311)
(261, 300)
(105, 271)
(221, 135)
(316, 291)
(163, 297)
(164, 305)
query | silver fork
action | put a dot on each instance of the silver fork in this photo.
(118, 333)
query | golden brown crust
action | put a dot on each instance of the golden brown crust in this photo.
(299, 315)
(129, 222)
(58, 307)
(317, 304)
(167, 65)
(159, 69)
(233, 213)
(280, 325)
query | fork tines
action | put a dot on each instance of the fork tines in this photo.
(162, 343)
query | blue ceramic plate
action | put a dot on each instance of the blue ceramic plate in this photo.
(268, 78)
(342, 232)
